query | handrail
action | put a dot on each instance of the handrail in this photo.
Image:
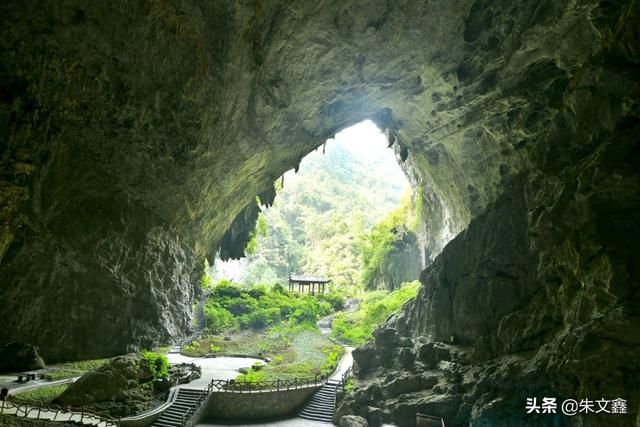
(28, 411)
(246, 386)
(428, 420)
(342, 383)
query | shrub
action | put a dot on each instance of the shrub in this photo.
(356, 328)
(157, 363)
(335, 299)
(226, 289)
(218, 319)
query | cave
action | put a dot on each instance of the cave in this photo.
(136, 135)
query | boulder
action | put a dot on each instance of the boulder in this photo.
(386, 337)
(406, 357)
(365, 359)
(375, 416)
(17, 356)
(353, 421)
(109, 382)
(403, 385)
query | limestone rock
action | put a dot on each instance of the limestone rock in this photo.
(110, 382)
(365, 359)
(386, 337)
(18, 356)
(353, 421)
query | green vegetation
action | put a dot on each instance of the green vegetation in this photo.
(259, 231)
(320, 216)
(40, 394)
(355, 328)
(271, 323)
(232, 307)
(302, 354)
(66, 370)
(380, 241)
(157, 363)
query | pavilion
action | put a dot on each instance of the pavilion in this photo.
(310, 282)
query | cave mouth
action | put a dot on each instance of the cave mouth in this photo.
(341, 189)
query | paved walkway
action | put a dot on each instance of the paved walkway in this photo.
(213, 368)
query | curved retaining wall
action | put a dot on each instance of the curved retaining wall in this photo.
(255, 405)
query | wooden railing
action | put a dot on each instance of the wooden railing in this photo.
(56, 413)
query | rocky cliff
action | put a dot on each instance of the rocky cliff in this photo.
(401, 264)
(135, 136)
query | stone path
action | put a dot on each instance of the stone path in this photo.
(213, 368)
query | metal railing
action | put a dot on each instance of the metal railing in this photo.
(264, 386)
(423, 420)
(232, 386)
(56, 413)
(343, 383)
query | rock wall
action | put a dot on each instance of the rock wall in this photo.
(539, 295)
(135, 136)
(401, 264)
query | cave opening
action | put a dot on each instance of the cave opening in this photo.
(135, 136)
(324, 208)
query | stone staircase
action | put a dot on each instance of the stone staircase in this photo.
(321, 407)
(172, 416)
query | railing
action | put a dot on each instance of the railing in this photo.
(263, 386)
(190, 412)
(343, 383)
(249, 387)
(56, 413)
(423, 420)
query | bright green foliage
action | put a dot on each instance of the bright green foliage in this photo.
(259, 231)
(355, 328)
(320, 216)
(380, 241)
(300, 354)
(232, 306)
(158, 364)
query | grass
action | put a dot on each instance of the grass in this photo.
(271, 323)
(295, 352)
(40, 394)
(356, 327)
(61, 371)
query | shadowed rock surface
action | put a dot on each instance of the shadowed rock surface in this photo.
(136, 135)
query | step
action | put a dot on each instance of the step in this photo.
(327, 406)
(183, 402)
(315, 418)
(176, 417)
(319, 412)
(324, 397)
(188, 395)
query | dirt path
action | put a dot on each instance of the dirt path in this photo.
(324, 324)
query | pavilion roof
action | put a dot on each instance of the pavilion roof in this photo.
(309, 279)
